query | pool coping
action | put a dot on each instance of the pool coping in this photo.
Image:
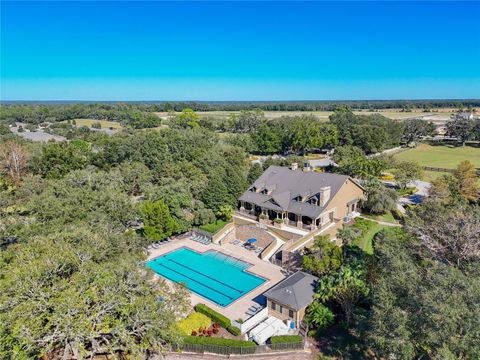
(198, 252)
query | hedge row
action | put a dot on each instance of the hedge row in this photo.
(203, 340)
(215, 316)
(285, 339)
(234, 330)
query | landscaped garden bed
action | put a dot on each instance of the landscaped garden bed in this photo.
(193, 322)
(218, 318)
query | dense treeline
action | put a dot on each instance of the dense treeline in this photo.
(72, 281)
(273, 105)
(132, 115)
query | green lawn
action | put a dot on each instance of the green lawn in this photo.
(213, 227)
(388, 217)
(432, 175)
(369, 230)
(441, 156)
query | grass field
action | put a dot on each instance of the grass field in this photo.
(432, 175)
(105, 124)
(323, 115)
(441, 156)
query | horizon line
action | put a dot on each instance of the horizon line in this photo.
(244, 101)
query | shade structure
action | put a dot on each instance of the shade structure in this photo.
(268, 328)
(252, 240)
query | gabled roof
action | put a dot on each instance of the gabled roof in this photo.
(286, 185)
(296, 291)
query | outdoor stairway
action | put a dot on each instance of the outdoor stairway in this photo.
(272, 249)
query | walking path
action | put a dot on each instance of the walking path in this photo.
(381, 222)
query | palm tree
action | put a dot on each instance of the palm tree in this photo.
(319, 315)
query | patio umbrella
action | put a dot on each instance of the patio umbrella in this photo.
(252, 240)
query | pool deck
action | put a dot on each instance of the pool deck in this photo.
(237, 309)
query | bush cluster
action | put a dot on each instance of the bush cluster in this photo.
(202, 340)
(285, 339)
(234, 330)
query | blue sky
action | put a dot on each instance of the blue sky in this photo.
(239, 50)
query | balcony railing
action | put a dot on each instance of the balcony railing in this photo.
(249, 214)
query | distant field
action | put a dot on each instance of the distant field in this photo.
(441, 156)
(391, 113)
(105, 124)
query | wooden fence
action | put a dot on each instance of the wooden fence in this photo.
(437, 169)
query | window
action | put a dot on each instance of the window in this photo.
(281, 309)
(274, 307)
(290, 314)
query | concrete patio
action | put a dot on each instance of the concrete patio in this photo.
(237, 309)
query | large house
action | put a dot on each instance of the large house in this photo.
(304, 200)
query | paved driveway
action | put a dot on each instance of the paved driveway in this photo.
(419, 195)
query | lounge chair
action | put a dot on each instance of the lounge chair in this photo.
(155, 245)
(258, 250)
(236, 242)
(249, 313)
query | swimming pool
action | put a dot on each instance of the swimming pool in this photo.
(212, 275)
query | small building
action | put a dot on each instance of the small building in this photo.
(288, 299)
(318, 164)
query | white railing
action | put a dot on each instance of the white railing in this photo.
(251, 322)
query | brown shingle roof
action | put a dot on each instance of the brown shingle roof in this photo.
(288, 184)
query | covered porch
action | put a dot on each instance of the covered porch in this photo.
(283, 218)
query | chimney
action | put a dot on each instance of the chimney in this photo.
(324, 195)
(294, 166)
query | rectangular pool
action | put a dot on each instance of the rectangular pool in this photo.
(212, 275)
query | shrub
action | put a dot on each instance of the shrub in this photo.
(194, 322)
(262, 216)
(319, 315)
(397, 215)
(194, 333)
(406, 191)
(234, 330)
(278, 221)
(212, 314)
(285, 339)
(96, 125)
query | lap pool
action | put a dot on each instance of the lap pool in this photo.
(212, 275)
